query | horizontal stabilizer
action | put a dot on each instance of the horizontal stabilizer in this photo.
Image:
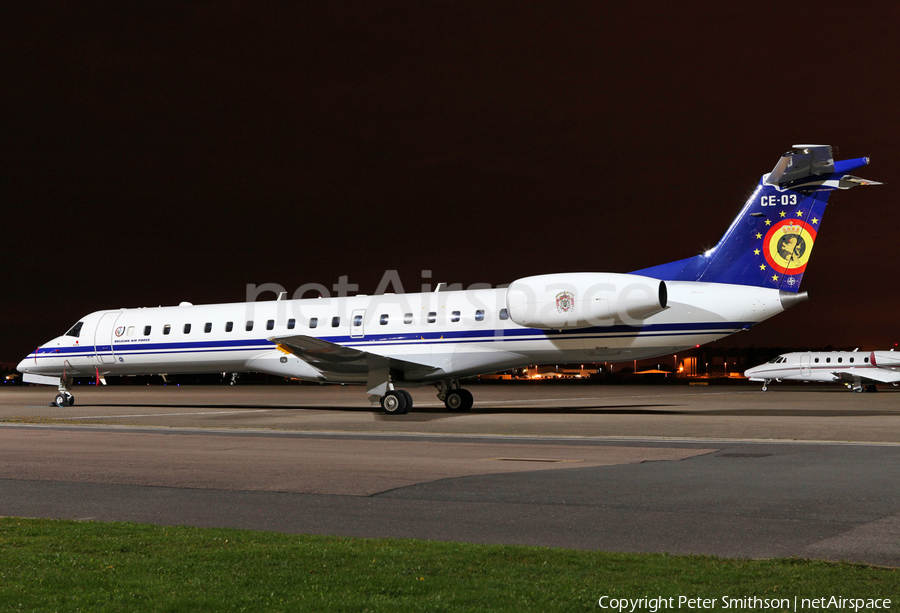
(848, 181)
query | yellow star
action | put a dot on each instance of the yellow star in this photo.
(774, 277)
(768, 223)
(756, 252)
(758, 235)
(762, 266)
(799, 213)
(814, 220)
(782, 213)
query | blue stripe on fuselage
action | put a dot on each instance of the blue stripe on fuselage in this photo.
(383, 340)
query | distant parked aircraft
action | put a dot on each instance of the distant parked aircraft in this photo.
(860, 370)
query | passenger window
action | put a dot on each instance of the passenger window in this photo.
(432, 317)
(208, 327)
(840, 360)
(229, 326)
(249, 326)
(187, 328)
(828, 360)
(75, 330)
(407, 318)
(454, 317)
(146, 330)
(335, 322)
(130, 331)
(817, 360)
(479, 315)
(504, 314)
(291, 324)
(270, 325)
(357, 321)
(167, 328)
(313, 322)
(851, 360)
(866, 360)
(384, 319)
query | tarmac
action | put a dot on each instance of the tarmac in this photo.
(731, 471)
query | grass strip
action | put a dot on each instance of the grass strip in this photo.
(54, 565)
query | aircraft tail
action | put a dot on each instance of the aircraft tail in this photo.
(769, 243)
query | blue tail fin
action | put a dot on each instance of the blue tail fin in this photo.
(769, 243)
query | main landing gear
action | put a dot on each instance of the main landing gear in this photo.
(397, 402)
(859, 388)
(455, 398)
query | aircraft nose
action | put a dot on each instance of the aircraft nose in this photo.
(24, 364)
(29, 364)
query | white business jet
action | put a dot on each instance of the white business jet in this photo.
(859, 370)
(389, 342)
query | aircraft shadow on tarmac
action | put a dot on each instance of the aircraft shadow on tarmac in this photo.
(435, 412)
(653, 409)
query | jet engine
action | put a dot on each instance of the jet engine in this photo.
(582, 300)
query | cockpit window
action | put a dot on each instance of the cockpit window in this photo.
(75, 330)
(776, 360)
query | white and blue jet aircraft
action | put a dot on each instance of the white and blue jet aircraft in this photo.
(859, 370)
(389, 342)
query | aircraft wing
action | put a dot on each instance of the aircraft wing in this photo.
(331, 357)
(873, 375)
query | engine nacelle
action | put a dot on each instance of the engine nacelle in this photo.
(582, 300)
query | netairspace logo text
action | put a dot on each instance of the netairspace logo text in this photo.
(734, 603)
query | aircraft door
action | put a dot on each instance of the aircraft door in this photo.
(804, 365)
(103, 335)
(357, 323)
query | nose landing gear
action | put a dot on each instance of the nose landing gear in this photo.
(64, 398)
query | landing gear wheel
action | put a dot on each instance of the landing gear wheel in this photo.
(409, 401)
(394, 403)
(765, 388)
(64, 399)
(459, 400)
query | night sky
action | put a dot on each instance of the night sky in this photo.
(161, 152)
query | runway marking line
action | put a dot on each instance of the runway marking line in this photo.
(113, 416)
(451, 435)
(550, 460)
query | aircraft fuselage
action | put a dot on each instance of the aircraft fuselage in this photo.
(457, 333)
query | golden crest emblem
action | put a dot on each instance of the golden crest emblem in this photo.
(565, 302)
